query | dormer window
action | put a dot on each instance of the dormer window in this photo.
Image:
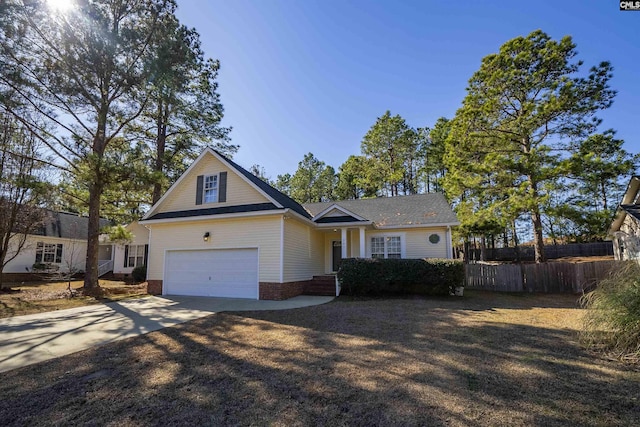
(210, 188)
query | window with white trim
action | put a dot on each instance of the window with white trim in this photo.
(210, 189)
(49, 252)
(135, 255)
(386, 247)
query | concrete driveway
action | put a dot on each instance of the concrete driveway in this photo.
(37, 337)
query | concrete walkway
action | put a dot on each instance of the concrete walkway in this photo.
(37, 337)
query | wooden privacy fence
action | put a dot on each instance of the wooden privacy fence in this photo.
(526, 253)
(551, 277)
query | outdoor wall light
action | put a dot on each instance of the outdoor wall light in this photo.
(206, 236)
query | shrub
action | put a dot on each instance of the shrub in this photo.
(45, 267)
(360, 276)
(612, 319)
(139, 273)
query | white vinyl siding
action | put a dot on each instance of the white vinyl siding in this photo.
(302, 251)
(419, 246)
(74, 253)
(261, 232)
(626, 242)
(183, 196)
(140, 237)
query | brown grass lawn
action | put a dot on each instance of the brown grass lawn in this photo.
(37, 297)
(485, 359)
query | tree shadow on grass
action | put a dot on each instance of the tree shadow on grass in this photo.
(348, 363)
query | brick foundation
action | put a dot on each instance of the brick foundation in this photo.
(268, 290)
(281, 291)
(321, 285)
(154, 287)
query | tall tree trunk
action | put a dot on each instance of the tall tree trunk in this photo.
(159, 167)
(95, 195)
(465, 253)
(516, 242)
(161, 142)
(538, 238)
(536, 219)
(93, 231)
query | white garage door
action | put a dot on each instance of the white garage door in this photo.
(230, 273)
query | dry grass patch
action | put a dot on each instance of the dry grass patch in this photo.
(485, 359)
(38, 297)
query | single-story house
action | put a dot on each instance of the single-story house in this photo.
(221, 231)
(132, 254)
(625, 228)
(60, 243)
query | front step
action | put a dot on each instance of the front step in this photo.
(321, 285)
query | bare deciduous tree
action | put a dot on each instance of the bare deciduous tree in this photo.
(22, 189)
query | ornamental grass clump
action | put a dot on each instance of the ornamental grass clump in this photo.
(612, 318)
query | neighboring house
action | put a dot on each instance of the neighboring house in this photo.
(133, 254)
(625, 228)
(221, 231)
(60, 243)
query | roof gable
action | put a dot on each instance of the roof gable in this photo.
(243, 190)
(400, 211)
(336, 213)
(630, 205)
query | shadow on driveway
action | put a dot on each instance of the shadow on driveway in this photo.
(43, 336)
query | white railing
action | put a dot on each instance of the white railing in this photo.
(104, 267)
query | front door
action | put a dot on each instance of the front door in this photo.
(336, 254)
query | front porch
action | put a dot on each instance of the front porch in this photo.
(105, 259)
(343, 242)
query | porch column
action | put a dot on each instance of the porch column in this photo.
(343, 231)
(362, 244)
(449, 243)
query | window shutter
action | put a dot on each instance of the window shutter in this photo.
(222, 187)
(199, 189)
(146, 254)
(59, 253)
(39, 251)
(126, 255)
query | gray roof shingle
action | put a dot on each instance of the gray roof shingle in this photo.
(276, 195)
(67, 225)
(418, 209)
(215, 211)
(633, 210)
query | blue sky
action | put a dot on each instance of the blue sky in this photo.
(301, 76)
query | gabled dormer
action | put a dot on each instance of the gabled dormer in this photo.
(337, 215)
(215, 185)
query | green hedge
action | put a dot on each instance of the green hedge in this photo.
(360, 276)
